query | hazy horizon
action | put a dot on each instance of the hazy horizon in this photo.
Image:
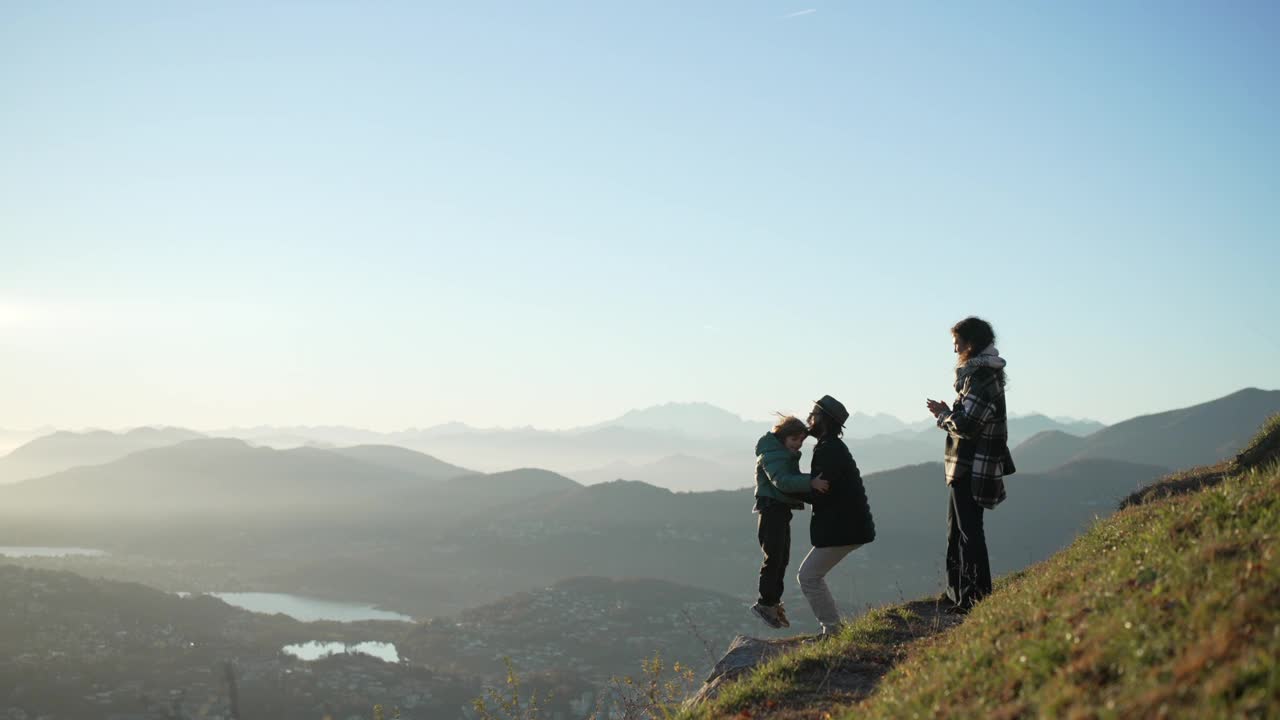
(801, 409)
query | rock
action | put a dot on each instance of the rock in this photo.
(743, 655)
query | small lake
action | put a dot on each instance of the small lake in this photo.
(306, 609)
(38, 551)
(316, 650)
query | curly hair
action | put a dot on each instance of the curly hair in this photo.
(975, 335)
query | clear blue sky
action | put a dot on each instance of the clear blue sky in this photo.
(397, 214)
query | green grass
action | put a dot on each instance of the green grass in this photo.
(1170, 608)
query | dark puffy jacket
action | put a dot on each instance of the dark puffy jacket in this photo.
(841, 516)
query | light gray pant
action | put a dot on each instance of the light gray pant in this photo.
(813, 581)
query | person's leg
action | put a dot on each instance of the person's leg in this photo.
(785, 553)
(954, 566)
(774, 533)
(972, 571)
(976, 551)
(813, 582)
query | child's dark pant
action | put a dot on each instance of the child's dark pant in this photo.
(775, 541)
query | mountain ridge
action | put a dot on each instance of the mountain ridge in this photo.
(1183, 437)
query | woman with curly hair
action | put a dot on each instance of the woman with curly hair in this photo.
(976, 458)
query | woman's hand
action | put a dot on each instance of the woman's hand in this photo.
(819, 485)
(936, 408)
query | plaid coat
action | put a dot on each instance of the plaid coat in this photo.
(978, 436)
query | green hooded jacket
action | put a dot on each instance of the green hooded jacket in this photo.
(778, 475)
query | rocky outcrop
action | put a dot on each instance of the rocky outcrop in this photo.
(845, 670)
(744, 654)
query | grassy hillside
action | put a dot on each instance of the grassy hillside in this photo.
(1165, 609)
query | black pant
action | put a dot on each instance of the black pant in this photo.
(774, 532)
(968, 567)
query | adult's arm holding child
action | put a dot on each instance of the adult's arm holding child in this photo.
(776, 464)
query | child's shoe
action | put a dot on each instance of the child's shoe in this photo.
(782, 616)
(769, 614)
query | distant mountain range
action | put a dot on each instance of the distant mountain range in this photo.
(682, 446)
(627, 528)
(924, 443)
(63, 450)
(401, 459)
(682, 472)
(12, 439)
(693, 420)
(212, 475)
(725, 469)
(429, 536)
(1197, 435)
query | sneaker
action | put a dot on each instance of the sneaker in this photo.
(767, 613)
(782, 616)
(828, 633)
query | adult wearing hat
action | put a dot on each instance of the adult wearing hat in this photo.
(841, 520)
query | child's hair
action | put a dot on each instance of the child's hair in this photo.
(789, 425)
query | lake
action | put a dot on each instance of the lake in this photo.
(316, 650)
(306, 609)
